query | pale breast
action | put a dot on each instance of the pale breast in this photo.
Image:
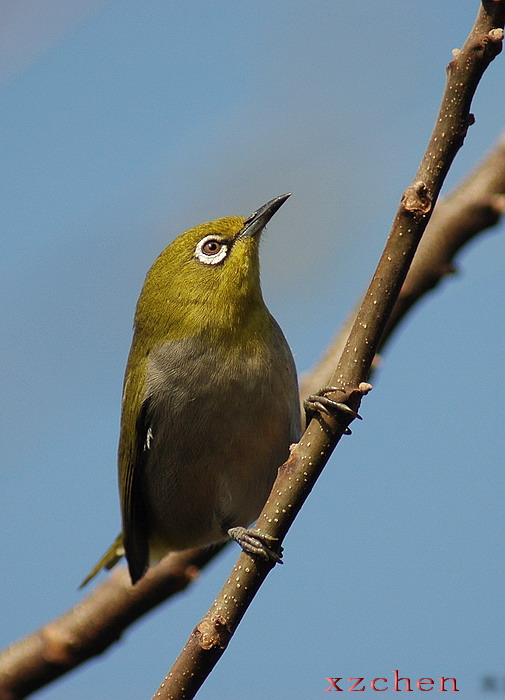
(220, 425)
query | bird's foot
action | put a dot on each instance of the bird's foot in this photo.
(257, 543)
(320, 403)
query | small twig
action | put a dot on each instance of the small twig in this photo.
(474, 206)
(94, 624)
(471, 208)
(298, 475)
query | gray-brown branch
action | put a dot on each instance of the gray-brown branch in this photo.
(475, 205)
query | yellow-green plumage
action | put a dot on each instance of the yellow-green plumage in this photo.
(210, 399)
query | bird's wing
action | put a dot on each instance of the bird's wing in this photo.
(133, 451)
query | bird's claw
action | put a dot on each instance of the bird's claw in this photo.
(320, 403)
(256, 543)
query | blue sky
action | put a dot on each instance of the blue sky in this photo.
(125, 123)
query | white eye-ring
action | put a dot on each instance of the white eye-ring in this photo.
(211, 250)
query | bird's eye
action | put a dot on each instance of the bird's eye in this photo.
(212, 247)
(211, 250)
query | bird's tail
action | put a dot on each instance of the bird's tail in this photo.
(109, 559)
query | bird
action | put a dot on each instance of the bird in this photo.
(210, 401)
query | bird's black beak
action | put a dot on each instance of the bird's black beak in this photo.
(255, 223)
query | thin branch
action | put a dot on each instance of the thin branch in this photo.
(90, 627)
(471, 208)
(477, 204)
(298, 475)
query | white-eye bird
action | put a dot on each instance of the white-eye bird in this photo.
(210, 400)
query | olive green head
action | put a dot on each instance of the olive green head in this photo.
(208, 277)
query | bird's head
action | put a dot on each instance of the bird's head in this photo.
(207, 277)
